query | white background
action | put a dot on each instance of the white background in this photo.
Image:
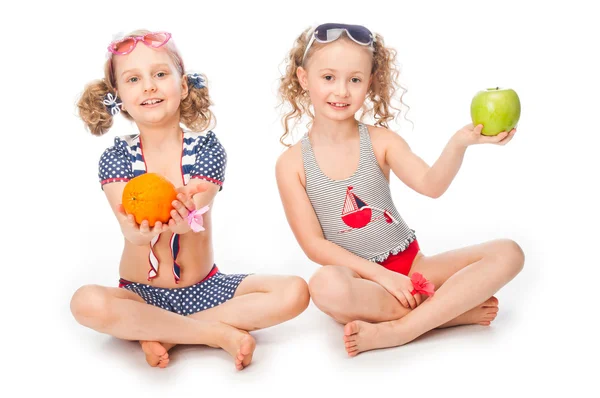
(540, 190)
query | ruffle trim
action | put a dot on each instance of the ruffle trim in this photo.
(400, 248)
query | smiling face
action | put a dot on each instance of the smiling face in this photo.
(149, 85)
(337, 77)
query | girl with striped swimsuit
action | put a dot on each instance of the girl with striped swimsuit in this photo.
(334, 186)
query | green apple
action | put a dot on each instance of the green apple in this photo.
(498, 109)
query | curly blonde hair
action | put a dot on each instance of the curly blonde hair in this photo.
(379, 98)
(194, 108)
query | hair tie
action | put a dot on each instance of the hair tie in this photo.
(112, 104)
(194, 79)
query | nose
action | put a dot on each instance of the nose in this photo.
(341, 89)
(149, 85)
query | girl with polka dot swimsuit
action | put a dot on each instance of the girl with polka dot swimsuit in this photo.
(171, 291)
(334, 185)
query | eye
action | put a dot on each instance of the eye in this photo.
(355, 80)
(132, 79)
(161, 74)
(328, 77)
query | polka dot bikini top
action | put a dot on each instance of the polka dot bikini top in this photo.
(202, 157)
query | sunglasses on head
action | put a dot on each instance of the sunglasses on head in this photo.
(126, 45)
(326, 33)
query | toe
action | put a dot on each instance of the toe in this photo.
(491, 302)
(238, 363)
(352, 353)
(351, 328)
(152, 360)
(349, 338)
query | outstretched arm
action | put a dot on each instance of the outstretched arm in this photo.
(137, 234)
(434, 180)
(192, 196)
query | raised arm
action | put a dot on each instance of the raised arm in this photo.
(434, 180)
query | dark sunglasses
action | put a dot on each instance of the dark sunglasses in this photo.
(326, 33)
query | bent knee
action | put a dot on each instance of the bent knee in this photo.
(329, 284)
(512, 254)
(89, 302)
(296, 295)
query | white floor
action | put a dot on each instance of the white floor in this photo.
(537, 344)
(540, 190)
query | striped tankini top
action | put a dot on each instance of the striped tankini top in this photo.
(357, 213)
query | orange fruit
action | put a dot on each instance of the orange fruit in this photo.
(149, 196)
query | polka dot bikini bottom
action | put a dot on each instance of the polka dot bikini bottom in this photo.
(214, 290)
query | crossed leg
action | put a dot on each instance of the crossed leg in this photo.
(367, 308)
(467, 279)
(259, 302)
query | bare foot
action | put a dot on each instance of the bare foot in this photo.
(240, 345)
(483, 314)
(156, 353)
(362, 336)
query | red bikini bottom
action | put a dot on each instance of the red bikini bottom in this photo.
(402, 262)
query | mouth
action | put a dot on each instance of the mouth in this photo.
(151, 102)
(339, 105)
